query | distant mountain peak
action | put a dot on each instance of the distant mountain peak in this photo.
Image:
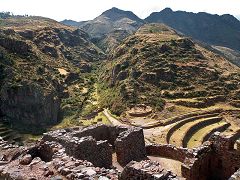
(167, 10)
(115, 14)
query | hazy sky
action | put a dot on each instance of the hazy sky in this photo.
(88, 9)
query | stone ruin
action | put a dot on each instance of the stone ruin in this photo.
(140, 110)
(215, 159)
(97, 143)
(87, 153)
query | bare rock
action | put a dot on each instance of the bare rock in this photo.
(27, 159)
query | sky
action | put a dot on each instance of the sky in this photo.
(80, 10)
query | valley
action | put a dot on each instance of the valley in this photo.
(115, 79)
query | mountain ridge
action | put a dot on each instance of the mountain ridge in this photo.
(222, 30)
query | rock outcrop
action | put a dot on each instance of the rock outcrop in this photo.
(30, 106)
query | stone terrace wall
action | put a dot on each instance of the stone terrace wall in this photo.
(169, 151)
(196, 127)
(187, 119)
(191, 115)
(130, 145)
(218, 129)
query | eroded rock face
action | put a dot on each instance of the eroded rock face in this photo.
(29, 105)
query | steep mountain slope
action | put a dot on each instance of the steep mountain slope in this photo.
(40, 61)
(232, 55)
(213, 29)
(156, 64)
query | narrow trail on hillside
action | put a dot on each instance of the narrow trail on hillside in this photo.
(113, 120)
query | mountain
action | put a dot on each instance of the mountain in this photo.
(110, 28)
(42, 67)
(111, 20)
(157, 65)
(217, 30)
(69, 22)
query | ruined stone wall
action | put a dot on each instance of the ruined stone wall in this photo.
(169, 151)
(101, 132)
(216, 159)
(30, 164)
(226, 158)
(86, 148)
(91, 143)
(145, 170)
(198, 166)
(130, 145)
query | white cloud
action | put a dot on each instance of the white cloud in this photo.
(88, 9)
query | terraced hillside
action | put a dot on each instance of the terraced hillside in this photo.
(192, 129)
(44, 66)
(156, 66)
(9, 134)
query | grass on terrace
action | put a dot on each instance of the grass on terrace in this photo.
(197, 138)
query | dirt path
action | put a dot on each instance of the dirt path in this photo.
(114, 121)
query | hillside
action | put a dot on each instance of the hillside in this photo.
(43, 65)
(156, 65)
(217, 30)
